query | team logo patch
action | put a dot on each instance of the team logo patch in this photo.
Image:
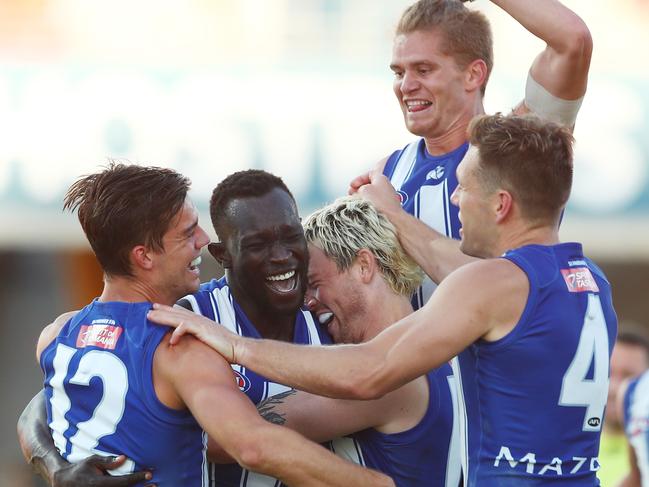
(403, 197)
(99, 335)
(436, 174)
(579, 280)
(242, 381)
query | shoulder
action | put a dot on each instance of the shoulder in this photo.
(51, 331)
(490, 276)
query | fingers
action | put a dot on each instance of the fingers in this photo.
(178, 333)
(357, 182)
(126, 480)
(111, 463)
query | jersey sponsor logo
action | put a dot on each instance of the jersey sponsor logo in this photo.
(436, 174)
(579, 280)
(403, 197)
(242, 381)
(99, 335)
(557, 466)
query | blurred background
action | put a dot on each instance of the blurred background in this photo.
(297, 87)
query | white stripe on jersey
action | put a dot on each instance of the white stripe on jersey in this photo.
(639, 408)
(314, 336)
(454, 462)
(460, 413)
(349, 449)
(205, 479)
(405, 164)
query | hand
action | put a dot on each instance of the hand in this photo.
(379, 191)
(93, 472)
(207, 331)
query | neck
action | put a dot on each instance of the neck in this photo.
(386, 309)
(527, 235)
(270, 324)
(456, 134)
(129, 289)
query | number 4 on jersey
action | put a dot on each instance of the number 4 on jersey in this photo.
(592, 354)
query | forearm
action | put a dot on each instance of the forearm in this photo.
(435, 253)
(36, 440)
(339, 371)
(549, 20)
(314, 466)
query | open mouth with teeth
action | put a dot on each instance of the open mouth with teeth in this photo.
(282, 283)
(325, 318)
(194, 264)
(417, 105)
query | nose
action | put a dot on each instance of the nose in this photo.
(202, 239)
(279, 252)
(454, 197)
(409, 83)
(311, 300)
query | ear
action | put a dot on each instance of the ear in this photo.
(475, 75)
(366, 265)
(141, 257)
(505, 205)
(220, 253)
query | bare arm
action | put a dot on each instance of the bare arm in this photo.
(204, 382)
(451, 320)
(322, 418)
(562, 67)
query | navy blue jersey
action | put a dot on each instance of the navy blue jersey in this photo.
(636, 422)
(425, 184)
(533, 401)
(427, 455)
(215, 301)
(101, 399)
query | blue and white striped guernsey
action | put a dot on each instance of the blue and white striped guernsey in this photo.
(636, 422)
(425, 184)
(214, 300)
(101, 399)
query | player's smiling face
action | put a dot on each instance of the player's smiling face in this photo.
(477, 229)
(178, 271)
(268, 252)
(428, 84)
(335, 297)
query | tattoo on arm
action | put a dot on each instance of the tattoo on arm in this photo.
(267, 406)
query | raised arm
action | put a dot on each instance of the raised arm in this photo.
(204, 383)
(561, 68)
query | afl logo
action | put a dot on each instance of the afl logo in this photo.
(242, 381)
(403, 197)
(594, 422)
(436, 174)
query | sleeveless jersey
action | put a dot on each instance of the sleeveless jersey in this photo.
(425, 184)
(533, 401)
(427, 455)
(215, 301)
(636, 422)
(101, 399)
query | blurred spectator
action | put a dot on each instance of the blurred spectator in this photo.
(630, 358)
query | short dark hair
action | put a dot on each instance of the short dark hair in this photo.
(242, 184)
(529, 157)
(635, 339)
(124, 206)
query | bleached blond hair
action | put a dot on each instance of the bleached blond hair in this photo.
(350, 224)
